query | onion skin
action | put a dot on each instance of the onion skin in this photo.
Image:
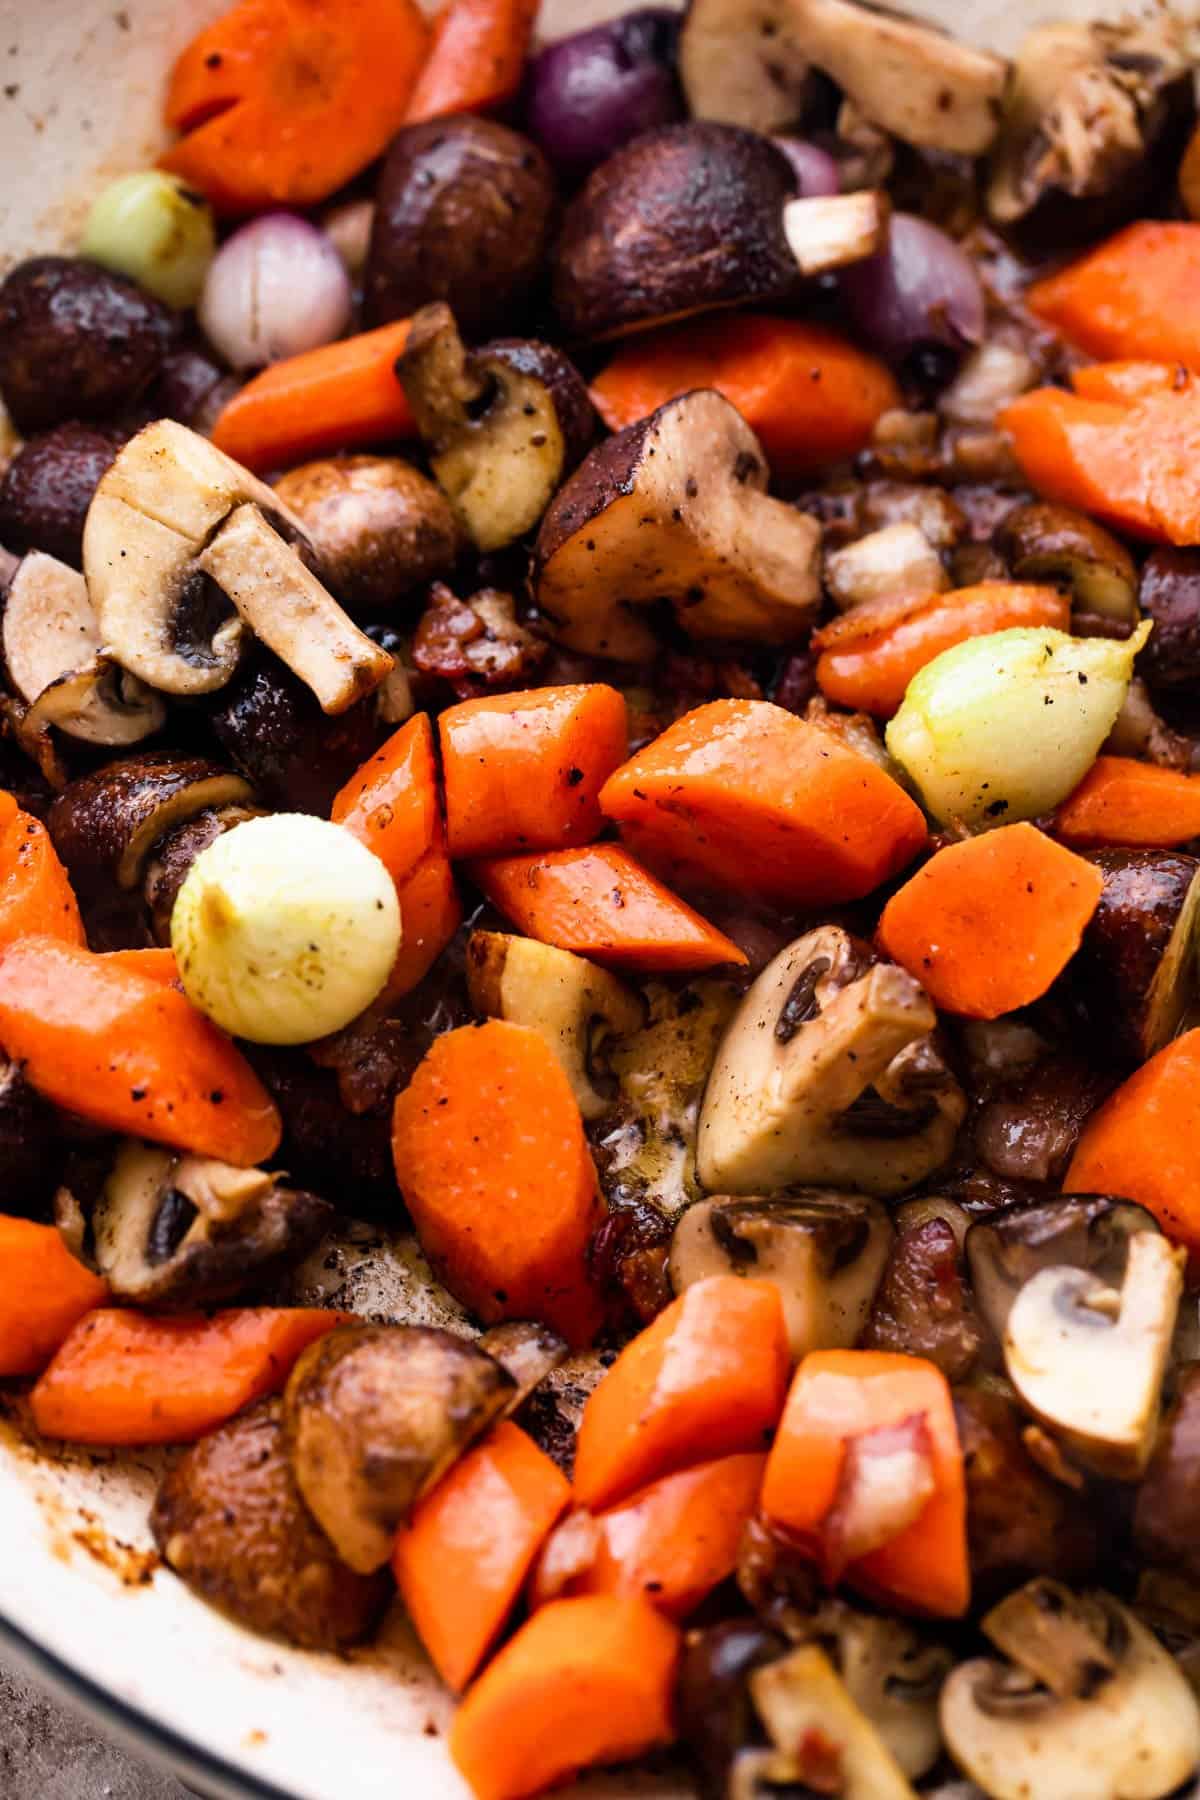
(588, 94)
(275, 288)
(816, 172)
(921, 289)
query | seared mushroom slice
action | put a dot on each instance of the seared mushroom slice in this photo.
(185, 1231)
(504, 424)
(1044, 542)
(689, 217)
(574, 1004)
(905, 77)
(1134, 978)
(52, 650)
(374, 1416)
(675, 508)
(824, 1252)
(818, 1732)
(174, 528)
(1088, 1359)
(827, 1077)
(1127, 1726)
(1081, 1231)
(106, 824)
(230, 1522)
(885, 565)
(526, 1350)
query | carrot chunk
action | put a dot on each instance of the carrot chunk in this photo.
(36, 896)
(811, 397)
(1137, 295)
(44, 1292)
(338, 397)
(706, 1379)
(1142, 1143)
(1124, 383)
(601, 903)
(1120, 801)
(476, 60)
(585, 1681)
(492, 1160)
(524, 771)
(869, 655)
(430, 913)
(744, 794)
(115, 1045)
(124, 1378)
(462, 1558)
(284, 100)
(844, 1405)
(987, 925)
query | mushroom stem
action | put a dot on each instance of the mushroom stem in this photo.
(826, 233)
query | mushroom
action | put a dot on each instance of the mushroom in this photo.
(1169, 594)
(272, 729)
(1168, 1500)
(689, 217)
(504, 425)
(1082, 1231)
(1044, 542)
(52, 651)
(717, 1720)
(1133, 978)
(824, 1252)
(176, 531)
(169, 863)
(186, 1231)
(1121, 1722)
(30, 1145)
(526, 1350)
(571, 1002)
(906, 77)
(819, 1734)
(887, 564)
(1088, 1359)
(675, 508)
(826, 1076)
(374, 1415)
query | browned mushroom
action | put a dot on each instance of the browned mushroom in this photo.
(167, 867)
(690, 217)
(1134, 979)
(1082, 1231)
(1029, 1132)
(271, 727)
(504, 424)
(889, 563)
(1044, 542)
(675, 508)
(30, 1146)
(1170, 595)
(48, 486)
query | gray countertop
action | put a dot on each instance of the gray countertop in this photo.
(50, 1753)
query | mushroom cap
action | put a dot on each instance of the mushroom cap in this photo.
(1132, 979)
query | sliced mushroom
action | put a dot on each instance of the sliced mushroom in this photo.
(1044, 542)
(187, 1231)
(1134, 977)
(689, 217)
(571, 1002)
(1088, 1359)
(174, 528)
(819, 1734)
(1081, 1231)
(885, 564)
(822, 1079)
(904, 76)
(504, 424)
(374, 1415)
(169, 863)
(527, 1351)
(675, 508)
(1131, 1731)
(824, 1252)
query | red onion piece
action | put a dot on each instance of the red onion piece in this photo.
(886, 1482)
(815, 170)
(275, 288)
(922, 288)
(590, 93)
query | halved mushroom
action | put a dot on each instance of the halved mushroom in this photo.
(819, 1733)
(906, 77)
(175, 532)
(374, 1415)
(52, 645)
(571, 1002)
(675, 508)
(826, 1075)
(824, 1252)
(1122, 1725)
(1134, 977)
(1092, 1232)
(186, 1231)
(1044, 542)
(526, 1350)
(504, 424)
(169, 863)
(1088, 1359)
(885, 564)
(690, 217)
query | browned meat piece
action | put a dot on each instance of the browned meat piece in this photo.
(1030, 1134)
(1168, 1503)
(627, 1261)
(475, 645)
(923, 1307)
(1132, 980)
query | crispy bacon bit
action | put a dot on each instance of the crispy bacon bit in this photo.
(476, 645)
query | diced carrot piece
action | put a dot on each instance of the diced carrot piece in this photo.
(115, 1045)
(706, 1379)
(987, 925)
(155, 964)
(476, 60)
(1137, 295)
(44, 1292)
(430, 914)
(284, 100)
(124, 1378)
(36, 896)
(461, 1560)
(869, 655)
(1120, 801)
(1125, 383)
(338, 397)
(585, 1681)
(742, 793)
(492, 1160)
(838, 1396)
(600, 903)
(812, 397)
(524, 771)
